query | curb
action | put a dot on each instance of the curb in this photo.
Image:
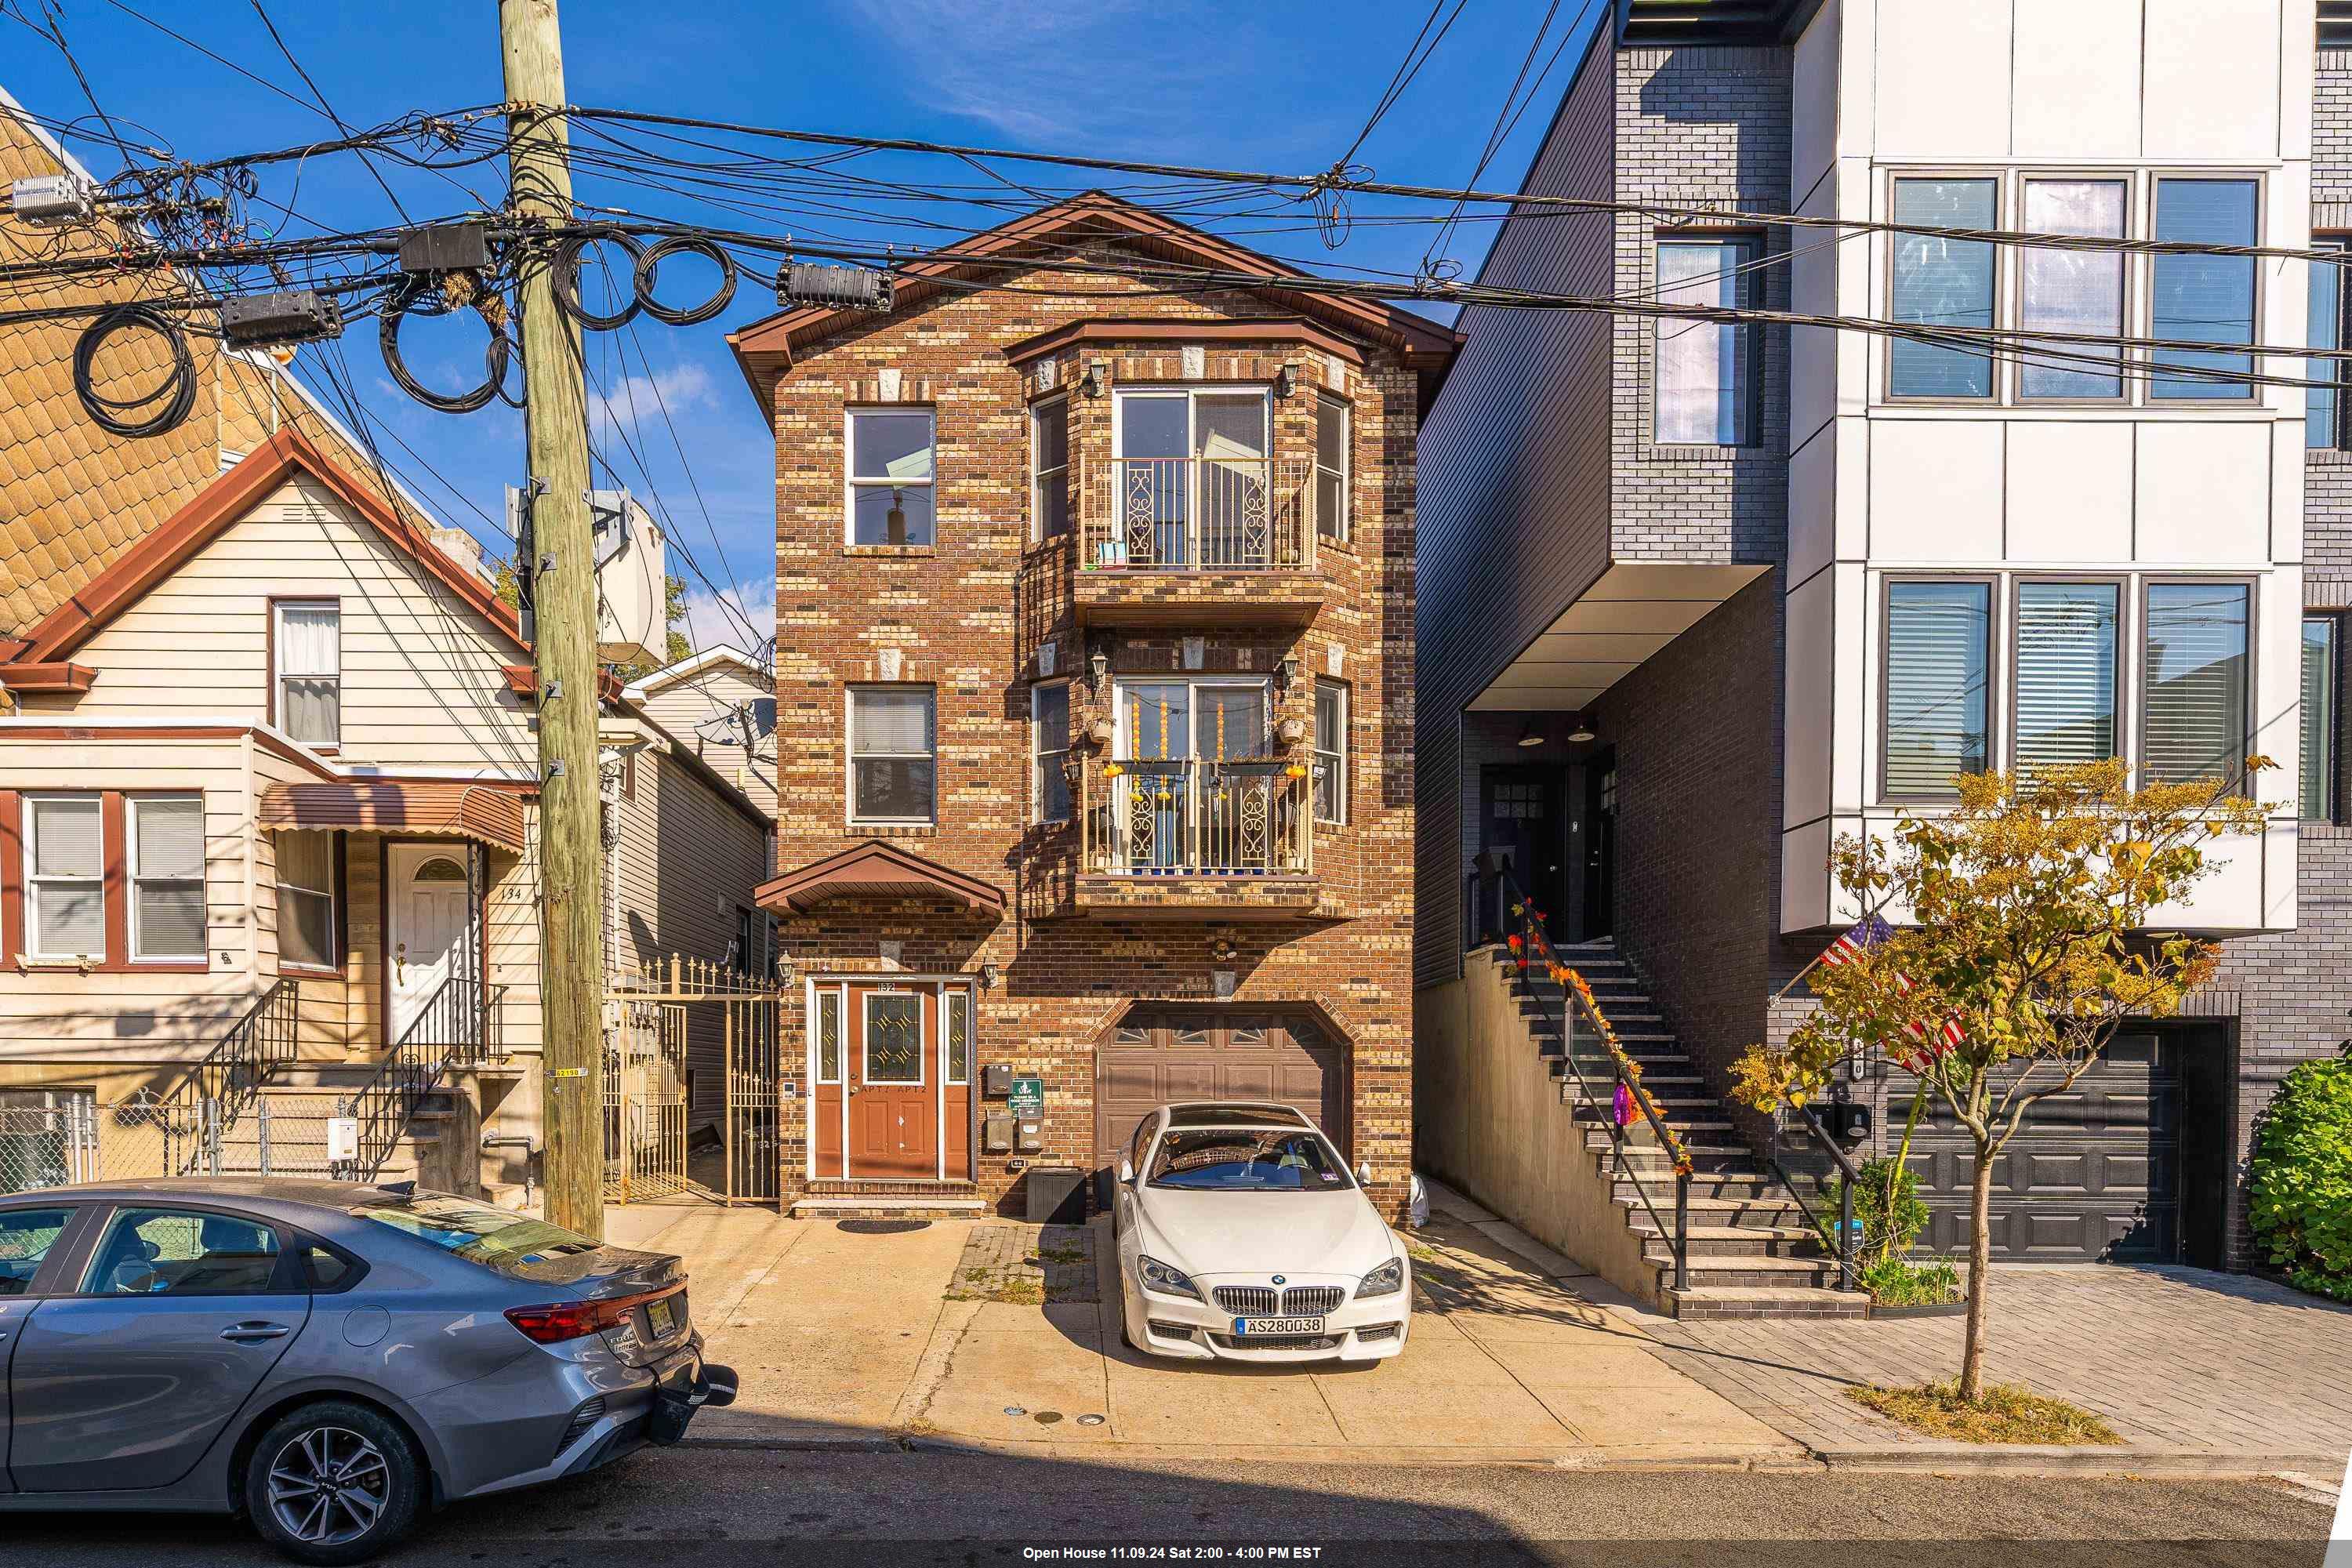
(1645, 1457)
(2209, 1464)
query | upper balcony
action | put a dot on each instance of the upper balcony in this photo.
(1206, 542)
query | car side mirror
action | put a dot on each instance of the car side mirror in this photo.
(1126, 1172)
(1363, 1172)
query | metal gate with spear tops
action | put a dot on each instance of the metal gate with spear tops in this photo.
(666, 1025)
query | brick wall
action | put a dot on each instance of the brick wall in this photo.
(968, 616)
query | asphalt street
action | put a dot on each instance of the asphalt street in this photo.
(713, 1508)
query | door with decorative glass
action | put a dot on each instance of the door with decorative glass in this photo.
(1191, 479)
(894, 1072)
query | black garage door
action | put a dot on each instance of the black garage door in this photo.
(1161, 1053)
(2093, 1176)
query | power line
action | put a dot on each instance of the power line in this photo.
(1415, 56)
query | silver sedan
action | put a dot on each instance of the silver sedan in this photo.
(325, 1359)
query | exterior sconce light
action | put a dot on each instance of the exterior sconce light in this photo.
(1289, 670)
(1097, 666)
(1222, 951)
(989, 974)
(1286, 381)
(1092, 382)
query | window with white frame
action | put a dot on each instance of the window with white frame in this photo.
(2063, 289)
(1332, 462)
(308, 649)
(2203, 298)
(1049, 467)
(2321, 714)
(893, 763)
(1942, 282)
(166, 871)
(1330, 752)
(1049, 743)
(891, 475)
(2194, 724)
(1938, 682)
(65, 877)
(1704, 374)
(306, 899)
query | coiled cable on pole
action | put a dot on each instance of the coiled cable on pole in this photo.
(178, 395)
(566, 266)
(419, 294)
(683, 245)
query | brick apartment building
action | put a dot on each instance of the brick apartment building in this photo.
(1094, 709)
(1721, 595)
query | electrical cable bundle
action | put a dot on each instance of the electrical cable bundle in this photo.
(176, 394)
(645, 264)
(420, 294)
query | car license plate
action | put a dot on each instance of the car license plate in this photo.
(1245, 1327)
(661, 1318)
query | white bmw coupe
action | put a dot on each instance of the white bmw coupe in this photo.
(1242, 1235)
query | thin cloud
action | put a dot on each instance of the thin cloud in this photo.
(710, 623)
(634, 401)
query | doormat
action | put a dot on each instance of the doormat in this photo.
(1026, 1265)
(883, 1226)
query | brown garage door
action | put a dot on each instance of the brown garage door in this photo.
(1162, 1054)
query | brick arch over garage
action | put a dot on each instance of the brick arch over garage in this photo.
(1164, 1051)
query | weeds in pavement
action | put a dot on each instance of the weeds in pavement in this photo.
(2007, 1413)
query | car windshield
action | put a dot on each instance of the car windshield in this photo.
(1247, 1160)
(494, 1237)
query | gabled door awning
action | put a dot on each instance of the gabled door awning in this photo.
(878, 870)
(490, 814)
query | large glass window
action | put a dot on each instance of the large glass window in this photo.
(2200, 297)
(1049, 728)
(65, 877)
(2319, 719)
(1331, 467)
(1706, 379)
(167, 876)
(1330, 752)
(890, 476)
(2195, 721)
(1049, 467)
(2323, 423)
(1942, 283)
(2066, 635)
(1191, 481)
(892, 763)
(1938, 658)
(308, 650)
(2062, 290)
(306, 899)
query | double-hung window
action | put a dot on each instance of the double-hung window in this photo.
(1331, 467)
(2203, 298)
(2066, 636)
(167, 876)
(1049, 745)
(2195, 709)
(2325, 409)
(2069, 290)
(306, 899)
(890, 476)
(2320, 716)
(65, 877)
(1330, 752)
(1049, 467)
(1939, 665)
(1705, 381)
(307, 647)
(892, 758)
(1942, 283)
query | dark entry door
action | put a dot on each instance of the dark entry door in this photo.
(1600, 848)
(1522, 819)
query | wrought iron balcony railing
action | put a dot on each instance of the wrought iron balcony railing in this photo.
(1200, 514)
(1198, 818)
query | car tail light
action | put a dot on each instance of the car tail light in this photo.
(558, 1321)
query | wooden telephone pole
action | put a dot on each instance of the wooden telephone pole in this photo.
(562, 564)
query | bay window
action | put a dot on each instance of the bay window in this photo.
(306, 899)
(2072, 290)
(1705, 376)
(2066, 673)
(1942, 282)
(2317, 730)
(65, 877)
(1331, 467)
(1938, 659)
(1049, 467)
(166, 871)
(892, 755)
(2195, 663)
(2203, 298)
(1049, 744)
(1330, 752)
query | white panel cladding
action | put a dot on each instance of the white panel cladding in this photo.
(1812, 499)
(2204, 493)
(2287, 481)
(2213, 78)
(2077, 79)
(1811, 645)
(1935, 489)
(1813, 107)
(1943, 79)
(2069, 488)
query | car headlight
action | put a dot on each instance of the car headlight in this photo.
(1385, 1281)
(1158, 1276)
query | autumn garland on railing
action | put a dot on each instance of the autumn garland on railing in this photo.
(1629, 1070)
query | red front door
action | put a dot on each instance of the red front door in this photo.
(893, 1074)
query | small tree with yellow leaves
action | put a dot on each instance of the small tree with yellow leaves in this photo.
(2028, 945)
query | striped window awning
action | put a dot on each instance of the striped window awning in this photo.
(488, 813)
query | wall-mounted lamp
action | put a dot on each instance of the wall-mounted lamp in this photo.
(1224, 950)
(1091, 384)
(989, 974)
(1097, 666)
(1286, 381)
(1530, 735)
(1583, 732)
(1289, 670)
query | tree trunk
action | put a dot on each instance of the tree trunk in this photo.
(1979, 1267)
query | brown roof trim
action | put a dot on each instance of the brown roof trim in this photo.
(228, 497)
(1293, 329)
(876, 869)
(765, 348)
(50, 677)
(479, 811)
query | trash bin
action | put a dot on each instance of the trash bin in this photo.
(1057, 1195)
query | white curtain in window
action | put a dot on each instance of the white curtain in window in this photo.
(2196, 681)
(2066, 673)
(310, 669)
(1701, 392)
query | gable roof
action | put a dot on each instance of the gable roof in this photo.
(129, 576)
(688, 669)
(876, 869)
(765, 348)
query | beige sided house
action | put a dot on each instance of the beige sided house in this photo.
(721, 703)
(268, 815)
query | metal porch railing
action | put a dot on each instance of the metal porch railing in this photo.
(1198, 818)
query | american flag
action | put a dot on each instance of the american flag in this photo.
(1868, 934)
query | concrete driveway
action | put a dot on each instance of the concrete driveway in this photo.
(844, 1338)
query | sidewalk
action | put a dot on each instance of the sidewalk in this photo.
(848, 1339)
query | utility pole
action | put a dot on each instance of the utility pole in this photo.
(563, 561)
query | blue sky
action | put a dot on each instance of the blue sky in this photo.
(1282, 87)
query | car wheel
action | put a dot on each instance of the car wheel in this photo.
(333, 1483)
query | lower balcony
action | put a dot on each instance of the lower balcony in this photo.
(1186, 838)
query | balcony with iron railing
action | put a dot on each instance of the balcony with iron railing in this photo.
(1199, 542)
(1183, 838)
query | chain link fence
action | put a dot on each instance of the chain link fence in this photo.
(52, 1137)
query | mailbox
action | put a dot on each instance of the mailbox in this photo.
(1848, 1120)
(1032, 1134)
(996, 1135)
(996, 1081)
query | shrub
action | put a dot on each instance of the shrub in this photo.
(1899, 1282)
(2302, 1178)
(1888, 1228)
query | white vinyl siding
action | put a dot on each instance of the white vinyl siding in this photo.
(167, 876)
(65, 877)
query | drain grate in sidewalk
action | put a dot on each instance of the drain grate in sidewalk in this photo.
(1027, 1264)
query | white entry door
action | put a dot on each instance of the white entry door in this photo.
(425, 941)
